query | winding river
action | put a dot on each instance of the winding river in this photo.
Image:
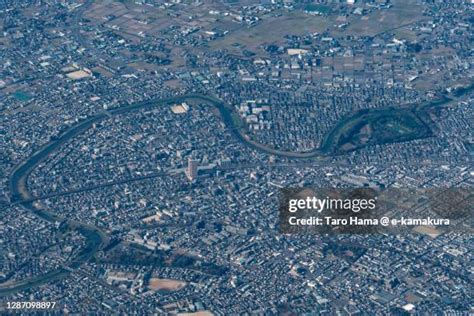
(95, 237)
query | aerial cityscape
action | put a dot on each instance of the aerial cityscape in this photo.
(147, 148)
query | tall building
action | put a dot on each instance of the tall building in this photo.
(192, 170)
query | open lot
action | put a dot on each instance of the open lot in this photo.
(403, 13)
(272, 30)
(166, 284)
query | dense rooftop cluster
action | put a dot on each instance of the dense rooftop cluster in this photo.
(103, 104)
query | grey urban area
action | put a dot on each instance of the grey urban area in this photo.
(144, 145)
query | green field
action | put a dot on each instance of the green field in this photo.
(21, 95)
(317, 8)
(372, 127)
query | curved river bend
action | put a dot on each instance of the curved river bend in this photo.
(96, 239)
